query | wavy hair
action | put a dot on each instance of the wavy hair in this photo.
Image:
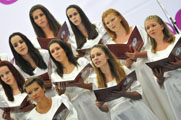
(116, 68)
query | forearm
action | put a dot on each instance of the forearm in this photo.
(141, 54)
(85, 86)
(132, 95)
(104, 108)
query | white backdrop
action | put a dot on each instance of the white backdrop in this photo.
(15, 17)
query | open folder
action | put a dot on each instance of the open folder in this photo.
(8, 105)
(45, 77)
(135, 42)
(175, 53)
(62, 112)
(85, 51)
(63, 34)
(106, 94)
(82, 74)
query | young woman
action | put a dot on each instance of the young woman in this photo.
(119, 30)
(44, 23)
(12, 94)
(79, 93)
(109, 73)
(163, 95)
(29, 60)
(48, 108)
(85, 34)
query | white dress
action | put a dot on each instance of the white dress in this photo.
(145, 47)
(17, 101)
(82, 99)
(161, 100)
(4, 56)
(38, 71)
(56, 103)
(126, 109)
(90, 42)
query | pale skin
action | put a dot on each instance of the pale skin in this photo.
(59, 55)
(155, 30)
(99, 59)
(113, 23)
(41, 20)
(7, 76)
(37, 94)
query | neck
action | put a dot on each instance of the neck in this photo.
(159, 39)
(48, 32)
(15, 88)
(83, 30)
(121, 35)
(107, 72)
(29, 59)
(68, 67)
(44, 105)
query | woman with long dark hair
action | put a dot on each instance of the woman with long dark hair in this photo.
(12, 82)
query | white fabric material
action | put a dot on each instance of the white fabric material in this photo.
(4, 56)
(156, 97)
(18, 99)
(36, 43)
(56, 103)
(37, 71)
(145, 47)
(125, 109)
(101, 31)
(82, 99)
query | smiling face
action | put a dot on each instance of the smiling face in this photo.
(40, 18)
(35, 92)
(112, 22)
(7, 76)
(57, 52)
(98, 57)
(74, 16)
(19, 45)
(153, 28)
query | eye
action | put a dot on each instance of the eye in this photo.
(21, 41)
(112, 19)
(70, 16)
(1, 76)
(35, 89)
(7, 73)
(41, 14)
(98, 54)
(29, 93)
(57, 48)
(52, 51)
(36, 17)
(147, 28)
(107, 23)
(15, 45)
(75, 13)
(92, 56)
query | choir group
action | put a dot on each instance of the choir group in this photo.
(59, 82)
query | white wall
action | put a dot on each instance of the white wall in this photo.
(15, 17)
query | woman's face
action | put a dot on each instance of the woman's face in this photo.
(19, 45)
(74, 16)
(57, 52)
(153, 28)
(35, 92)
(40, 18)
(7, 76)
(112, 22)
(98, 57)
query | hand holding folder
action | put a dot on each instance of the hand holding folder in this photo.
(135, 43)
(111, 93)
(79, 78)
(172, 62)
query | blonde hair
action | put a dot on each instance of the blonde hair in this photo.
(115, 66)
(168, 36)
(123, 22)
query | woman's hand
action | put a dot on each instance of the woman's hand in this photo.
(60, 88)
(98, 103)
(173, 65)
(159, 72)
(129, 62)
(6, 115)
